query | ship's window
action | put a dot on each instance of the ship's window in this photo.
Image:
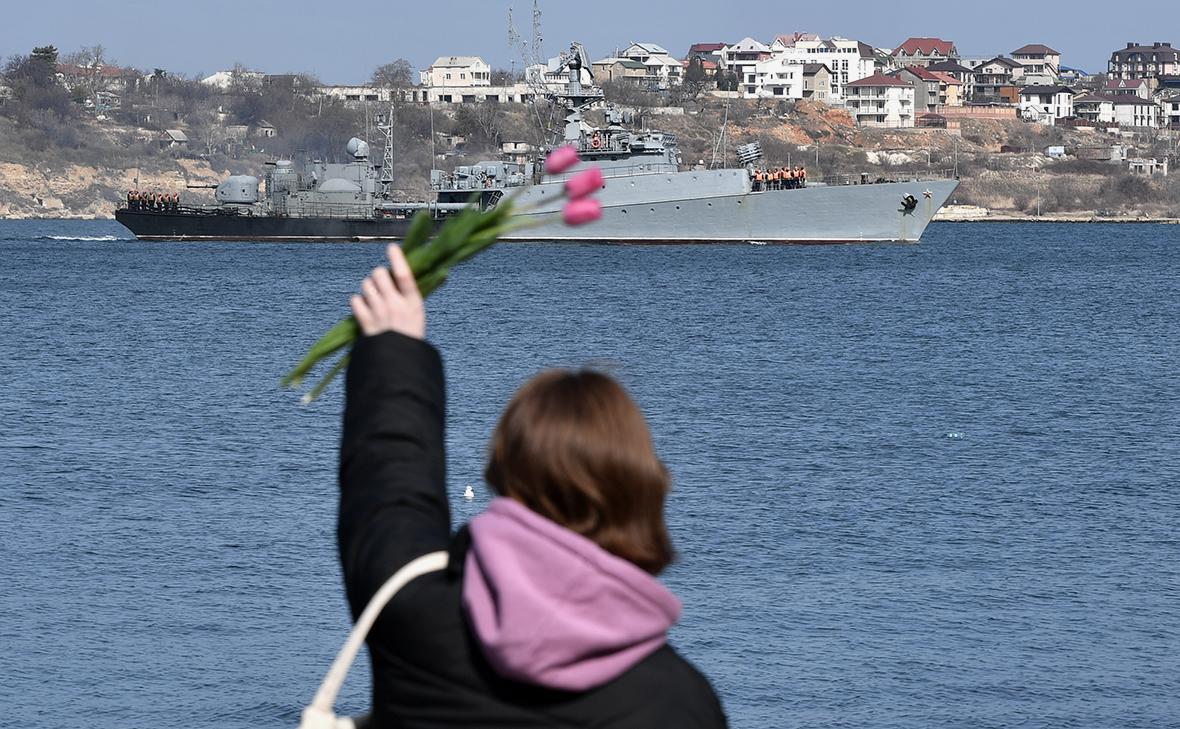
(652, 209)
(677, 207)
(739, 202)
(709, 205)
(624, 211)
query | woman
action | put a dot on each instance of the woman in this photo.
(549, 614)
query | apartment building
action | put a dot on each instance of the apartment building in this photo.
(1136, 61)
(881, 101)
(847, 60)
(1040, 62)
(924, 51)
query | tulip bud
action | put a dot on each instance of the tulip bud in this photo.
(578, 212)
(561, 159)
(586, 182)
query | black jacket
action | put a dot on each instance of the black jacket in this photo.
(428, 671)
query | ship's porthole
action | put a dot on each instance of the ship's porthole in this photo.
(739, 202)
(677, 207)
(624, 211)
(652, 209)
(709, 205)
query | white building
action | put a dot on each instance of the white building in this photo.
(1170, 112)
(457, 71)
(1041, 63)
(881, 101)
(1119, 86)
(1046, 104)
(847, 60)
(742, 58)
(223, 79)
(1126, 110)
(775, 78)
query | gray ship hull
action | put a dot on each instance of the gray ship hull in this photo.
(670, 208)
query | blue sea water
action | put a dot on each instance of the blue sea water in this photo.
(932, 485)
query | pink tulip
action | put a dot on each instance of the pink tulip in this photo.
(561, 159)
(579, 212)
(586, 182)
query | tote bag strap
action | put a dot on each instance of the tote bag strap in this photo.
(320, 714)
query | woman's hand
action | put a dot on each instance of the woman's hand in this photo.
(390, 303)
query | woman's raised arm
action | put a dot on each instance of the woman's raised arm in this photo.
(393, 504)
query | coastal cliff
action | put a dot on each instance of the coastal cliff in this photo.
(86, 192)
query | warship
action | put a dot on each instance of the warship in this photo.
(649, 195)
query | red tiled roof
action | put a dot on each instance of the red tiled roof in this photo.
(70, 69)
(925, 46)
(922, 73)
(880, 79)
(1125, 83)
(946, 78)
(705, 47)
(1036, 49)
(790, 39)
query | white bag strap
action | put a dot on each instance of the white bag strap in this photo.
(320, 714)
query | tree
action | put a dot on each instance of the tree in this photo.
(46, 55)
(504, 77)
(35, 90)
(398, 74)
(90, 62)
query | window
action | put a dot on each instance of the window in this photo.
(448, 75)
(462, 75)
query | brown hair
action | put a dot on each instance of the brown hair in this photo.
(574, 447)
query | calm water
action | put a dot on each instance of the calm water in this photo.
(915, 486)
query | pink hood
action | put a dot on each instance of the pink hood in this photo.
(552, 608)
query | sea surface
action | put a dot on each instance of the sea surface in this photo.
(932, 485)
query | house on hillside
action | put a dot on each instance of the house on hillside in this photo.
(881, 101)
(991, 77)
(961, 73)
(847, 60)
(817, 82)
(1041, 63)
(172, 138)
(1136, 61)
(741, 58)
(1170, 112)
(1046, 104)
(98, 77)
(932, 90)
(924, 51)
(1126, 110)
(1126, 87)
(616, 70)
(774, 78)
(457, 71)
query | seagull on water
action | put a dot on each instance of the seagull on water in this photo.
(469, 494)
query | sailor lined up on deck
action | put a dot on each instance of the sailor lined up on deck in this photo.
(159, 201)
(781, 178)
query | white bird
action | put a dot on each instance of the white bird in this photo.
(469, 494)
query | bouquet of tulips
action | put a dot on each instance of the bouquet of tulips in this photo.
(460, 238)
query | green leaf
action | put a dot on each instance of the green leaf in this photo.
(419, 231)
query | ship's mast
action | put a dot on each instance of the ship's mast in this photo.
(387, 157)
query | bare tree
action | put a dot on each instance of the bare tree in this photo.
(397, 74)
